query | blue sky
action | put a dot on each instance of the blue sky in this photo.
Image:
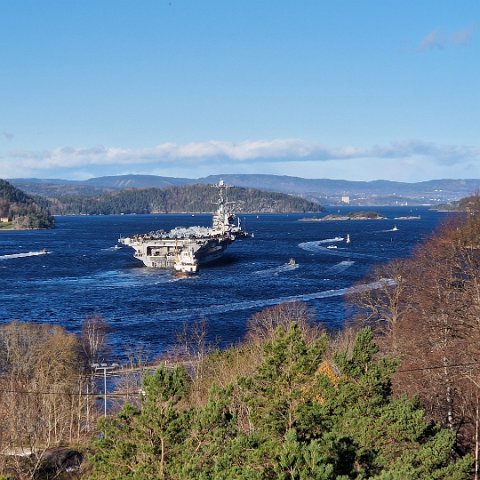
(368, 90)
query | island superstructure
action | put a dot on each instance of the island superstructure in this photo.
(184, 249)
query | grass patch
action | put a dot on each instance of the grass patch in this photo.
(6, 226)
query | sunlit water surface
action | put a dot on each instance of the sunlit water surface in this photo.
(83, 273)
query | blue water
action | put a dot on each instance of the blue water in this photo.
(83, 274)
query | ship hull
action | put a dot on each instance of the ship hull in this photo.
(164, 254)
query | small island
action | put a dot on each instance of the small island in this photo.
(349, 216)
(19, 211)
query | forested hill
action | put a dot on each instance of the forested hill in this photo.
(19, 210)
(326, 191)
(180, 199)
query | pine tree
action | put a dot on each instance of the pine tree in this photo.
(301, 415)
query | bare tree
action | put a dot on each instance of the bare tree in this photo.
(263, 324)
(93, 337)
(43, 402)
(429, 317)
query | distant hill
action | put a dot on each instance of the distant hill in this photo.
(93, 186)
(20, 211)
(179, 199)
(137, 181)
(466, 204)
(325, 191)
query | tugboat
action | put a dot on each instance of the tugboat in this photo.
(160, 249)
(185, 262)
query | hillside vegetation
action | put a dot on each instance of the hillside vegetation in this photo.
(291, 402)
(302, 411)
(179, 199)
(327, 191)
(20, 211)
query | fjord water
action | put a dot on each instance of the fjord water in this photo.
(83, 274)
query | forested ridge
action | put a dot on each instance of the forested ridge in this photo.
(179, 199)
(19, 210)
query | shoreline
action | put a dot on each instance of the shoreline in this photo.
(341, 218)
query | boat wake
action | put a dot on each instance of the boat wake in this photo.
(188, 313)
(277, 270)
(340, 267)
(109, 249)
(11, 256)
(109, 279)
(317, 246)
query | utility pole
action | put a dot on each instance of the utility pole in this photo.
(105, 368)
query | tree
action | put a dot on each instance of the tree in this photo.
(93, 338)
(292, 418)
(428, 317)
(41, 395)
(263, 325)
(141, 443)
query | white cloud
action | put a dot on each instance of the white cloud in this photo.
(434, 39)
(439, 40)
(214, 156)
(464, 35)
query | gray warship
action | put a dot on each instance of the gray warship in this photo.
(185, 249)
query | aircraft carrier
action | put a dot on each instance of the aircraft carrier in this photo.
(185, 249)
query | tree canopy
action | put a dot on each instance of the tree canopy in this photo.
(179, 199)
(301, 414)
(22, 210)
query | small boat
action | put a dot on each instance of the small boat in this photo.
(185, 262)
(347, 240)
(395, 228)
(331, 246)
(117, 247)
(292, 261)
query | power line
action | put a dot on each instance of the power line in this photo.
(129, 394)
(70, 394)
(437, 367)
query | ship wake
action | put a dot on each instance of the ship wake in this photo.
(185, 314)
(277, 270)
(341, 267)
(11, 256)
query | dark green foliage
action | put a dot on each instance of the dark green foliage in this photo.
(143, 443)
(22, 210)
(288, 420)
(372, 215)
(11, 194)
(181, 199)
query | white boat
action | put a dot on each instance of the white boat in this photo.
(347, 240)
(185, 262)
(395, 228)
(331, 246)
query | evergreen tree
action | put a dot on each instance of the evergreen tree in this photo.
(142, 443)
(300, 415)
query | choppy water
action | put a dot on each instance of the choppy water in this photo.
(82, 273)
